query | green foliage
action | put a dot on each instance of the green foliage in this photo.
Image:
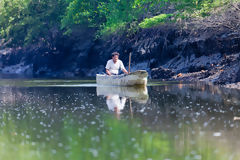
(197, 8)
(82, 11)
(106, 15)
(111, 16)
(29, 21)
(11, 13)
(154, 21)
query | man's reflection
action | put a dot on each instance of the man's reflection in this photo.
(116, 97)
(116, 104)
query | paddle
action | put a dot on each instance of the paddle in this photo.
(129, 63)
(129, 67)
(130, 107)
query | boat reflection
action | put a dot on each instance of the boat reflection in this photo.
(116, 97)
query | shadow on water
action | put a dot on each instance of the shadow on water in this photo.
(163, 121)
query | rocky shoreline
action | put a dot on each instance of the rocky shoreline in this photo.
(216, 69)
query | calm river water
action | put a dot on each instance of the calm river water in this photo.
(78, 120)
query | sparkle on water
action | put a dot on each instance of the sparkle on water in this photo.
(78, 120)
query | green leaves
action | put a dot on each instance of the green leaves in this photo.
(114, 16)
(28, 21)
(11, 13)
(106, 15)
(154, 21)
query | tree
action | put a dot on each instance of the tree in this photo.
(28, 21)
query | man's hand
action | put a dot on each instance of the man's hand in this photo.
(108, 72)
(125, 71)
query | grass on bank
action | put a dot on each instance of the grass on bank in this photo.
(154, 21)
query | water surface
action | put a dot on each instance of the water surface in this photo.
(76, 119)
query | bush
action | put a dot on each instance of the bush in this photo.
(155, 21)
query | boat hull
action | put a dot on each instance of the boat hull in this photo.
(132, 79)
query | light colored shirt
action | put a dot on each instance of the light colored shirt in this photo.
(114, 67)
(114, 101)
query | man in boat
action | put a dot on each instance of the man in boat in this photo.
(114, 64)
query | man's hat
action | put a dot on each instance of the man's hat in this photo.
(115, 53)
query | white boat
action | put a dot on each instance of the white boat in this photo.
(135, 78)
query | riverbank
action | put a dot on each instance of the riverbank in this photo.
(205, 49)
(216, 69)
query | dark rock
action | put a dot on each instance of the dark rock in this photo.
(161, 73)
(197, 68)
(238, 76)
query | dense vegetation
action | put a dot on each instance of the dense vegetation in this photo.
(28, 21)
(25, 21)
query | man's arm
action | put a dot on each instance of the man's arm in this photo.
(123, 68)
(125, 71)
(108, 72)
(107, 69)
